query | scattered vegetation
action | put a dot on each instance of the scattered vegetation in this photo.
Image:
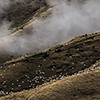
(76, 56)
(52, 64)
(77, 87)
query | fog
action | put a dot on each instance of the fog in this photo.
(67, 20)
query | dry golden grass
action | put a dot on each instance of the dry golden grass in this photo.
(84, 86)
(66, 59)
(79, 87)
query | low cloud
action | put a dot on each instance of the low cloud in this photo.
(66, 21)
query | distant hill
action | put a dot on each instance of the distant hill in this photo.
(19, 12)
(22, 14)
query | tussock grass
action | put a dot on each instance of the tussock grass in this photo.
(62, 60)
(29, 72)
(84, 86)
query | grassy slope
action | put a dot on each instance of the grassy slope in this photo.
(66, 59)
(21, 12)
(21, 15)
(84, 86)
(60, 60)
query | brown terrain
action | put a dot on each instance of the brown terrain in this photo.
(82, 86)
(62, 60)
(63, 72)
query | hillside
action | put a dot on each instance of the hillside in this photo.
(68, 71)
(20, 16)
(20, 12)
(59, 61)
(84, 86)
(23, 36)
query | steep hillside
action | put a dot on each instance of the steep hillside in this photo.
(20, 15)
(54, 63)
(84, 86)
(23, 15)
(20, 12)
(80, 54)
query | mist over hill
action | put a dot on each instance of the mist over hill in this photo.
(48, 23)
(54, 63)
(34, 32)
